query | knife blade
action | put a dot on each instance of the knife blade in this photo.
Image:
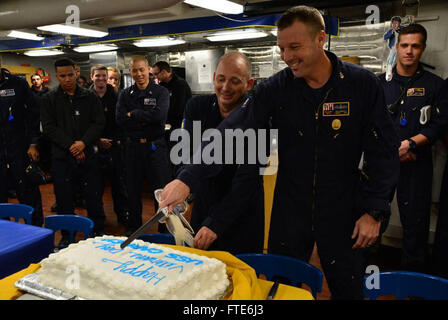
(273, 291)
(159, 215)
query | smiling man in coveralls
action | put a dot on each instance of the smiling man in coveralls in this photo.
(328, 113)
(141, 112)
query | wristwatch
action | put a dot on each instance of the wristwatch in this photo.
(412, 145)
(378, 215)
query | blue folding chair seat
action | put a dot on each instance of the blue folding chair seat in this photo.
(17, 211)
(71, 223)
(403, 284)
(161, 238)
(277, 267)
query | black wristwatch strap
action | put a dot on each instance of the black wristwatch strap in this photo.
(412, 144)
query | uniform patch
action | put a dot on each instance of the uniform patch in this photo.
(7, 93)
(336, 109)
(150, 102)
(336, 124)
(416, 92)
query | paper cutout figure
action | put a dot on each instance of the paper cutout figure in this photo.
(392, 35)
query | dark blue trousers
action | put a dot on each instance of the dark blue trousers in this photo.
(27, 193)
(144, 160)
(67, 174)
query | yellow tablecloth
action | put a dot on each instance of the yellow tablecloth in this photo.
(246, 285)
(7, 289)
(284, 292)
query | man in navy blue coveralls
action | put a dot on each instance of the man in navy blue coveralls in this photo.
(73, 119)
(19, 135)
(414, 98)
(228, 211)
(110, 151)
(141, 112)
(328, 113)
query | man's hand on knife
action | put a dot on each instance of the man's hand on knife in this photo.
(174, 193)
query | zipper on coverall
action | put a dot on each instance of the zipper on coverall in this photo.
(316, 116)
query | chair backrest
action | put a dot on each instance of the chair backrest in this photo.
(16, 211)
(161, 238)
(70, 223)
(403, 284)
(294, 270)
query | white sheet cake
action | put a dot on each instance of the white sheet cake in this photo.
(97, 268)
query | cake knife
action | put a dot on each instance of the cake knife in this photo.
(178, 210)
(161, 214)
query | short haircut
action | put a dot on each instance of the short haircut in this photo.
(163, 65)
(396, 18)
(414, 28)
(138, 58)
(113, 69)
(98, 67)
(34, 75)
(308, 15)
(64, 62)
(241, 56)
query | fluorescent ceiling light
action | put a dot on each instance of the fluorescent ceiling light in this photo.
(96, 48)
(223, 6)
(24, 35)
(41, 53)
(236, 35)
(67, 29)
(158, 42)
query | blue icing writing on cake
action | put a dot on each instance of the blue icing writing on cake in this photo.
(113, 246)
(142, 270)
(124, 267)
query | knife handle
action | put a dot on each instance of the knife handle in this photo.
(273, 290)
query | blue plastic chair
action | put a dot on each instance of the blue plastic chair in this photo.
(70, 223)
(277, 267)
(16, 211)
(403, 284)
(161, 238)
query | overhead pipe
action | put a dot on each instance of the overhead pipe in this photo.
(22, 14)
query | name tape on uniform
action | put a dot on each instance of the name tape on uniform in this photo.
(336, 109)
(416, 92)
(7, 93)
(150, 101)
